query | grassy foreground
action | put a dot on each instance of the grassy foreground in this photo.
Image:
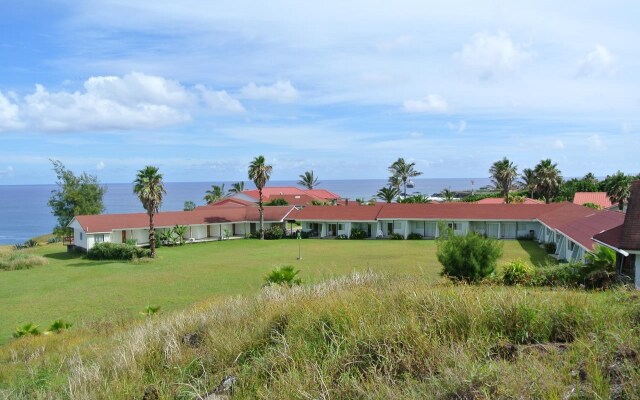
(83, 292)
(360, 337)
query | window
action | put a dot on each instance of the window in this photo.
(340, 227)
(397, 225)
(453, 225)
(99, 238)
(571, 245)
(81, 236)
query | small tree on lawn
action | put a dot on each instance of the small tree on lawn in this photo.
(468, 258)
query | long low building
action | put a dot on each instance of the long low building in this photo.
(211, 223)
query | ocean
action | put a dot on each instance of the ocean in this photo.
(24, 212)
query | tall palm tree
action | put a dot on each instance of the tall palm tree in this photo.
(548, 178)
(388, 194)
(503, 173)
(591, 179)
(618, 187)
(528, 181)
(308, 180)
(215, 194)
(447, 195)
(259, 173)
(237, 187)
(402, 170)
(394, 182)
(149, 188)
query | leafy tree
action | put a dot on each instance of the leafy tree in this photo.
(447, 195)
(260, 173)
(308, 180)
(283, 276)
(548, 178)
(618, 187)
(402, 172)
(528, 181)
(189, 205)
(468, 258)
(237, 187)
(503, 173)
(149, 188)
(570, 187)
(388, 194)
(75, 195)
(215, 194)
(277, 202)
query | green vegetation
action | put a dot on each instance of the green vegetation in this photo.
(503, 174)
(87, 291)
(277, 202)
(149, 188)
(237, 187)
(618, 188)
(116, 251)
(260, 173)
(284, 276)
(388, 194)
(364, 336)
(308, 180)
(401, 173)
(16, 260)
(468, 258)
(214, 194)
(189, 206)
(75, 195)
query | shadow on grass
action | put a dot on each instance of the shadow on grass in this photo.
(63, 256)
(537, 254)
(91, 263)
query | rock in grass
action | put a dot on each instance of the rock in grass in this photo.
(192, 339)
(223, 390)
(150, 393)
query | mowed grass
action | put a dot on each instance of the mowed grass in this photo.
(81, 291)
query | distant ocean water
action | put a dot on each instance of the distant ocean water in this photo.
(24, 212)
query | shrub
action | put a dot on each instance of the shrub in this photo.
(357, 234)
(284, 276)
(517, 272)
(274, 233)
(342, 237)
(468, 258)
(561, 275)
(17, 260)
(59, 326)
(131, 242)
(25, 330)
(54, 239)
(116, 251)
(550, 247)
(294, 235)
(277, 202)
(396, 236)
(150, 310)
(414, 236)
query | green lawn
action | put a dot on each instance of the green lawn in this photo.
(80, 290)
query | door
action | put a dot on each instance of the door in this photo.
(389, 228)
(124, 236)
(493, 230)
(208, 230)
(509, 230)
(333, 229)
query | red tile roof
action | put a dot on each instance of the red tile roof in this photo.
(599, 198)
(291, 190)
(335, 213)
(294, 199)
(611, 237)
(210, 215)
(582, 230)
(565, 214)
(499, 200)
(631, 231)
(229, 202)
(322, 193)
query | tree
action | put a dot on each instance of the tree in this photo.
(75, 195)
(215, 194)
(618, 187)
(237, 187)
(468, 258)
(308, 180)
(528, 181)
(403, 171)
(259, 173)
(447, 195)
(189, 205)
(394, 182)
(548, 178)
(149, 188)
(503, 173)
(417, 198)
(277, 202)
(388, 194)
(570, 187)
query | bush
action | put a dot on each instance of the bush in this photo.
(116, 251)
(396, 236)
(25, 330)
(517, 272)
(294, 235)
(550, 247)
(468, 258)
(277, 202)
(561, 275)
(132, 242)
(284, 276)
(342, 237)
(357, 234)
(59, 326)
(17, 260)
(273, 233)
(414, 236)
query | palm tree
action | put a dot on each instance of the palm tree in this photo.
(503, 173)
(591, 179)
(388, 194)
(447, 195)
(528, 181)
(149, 188)
(394, 182)
(618, 187)
(259, 173)
(403, 171)
(237, 187)
(308, 180)
(548, 179)
(215, 194)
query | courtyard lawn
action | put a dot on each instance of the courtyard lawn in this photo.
(84, 291)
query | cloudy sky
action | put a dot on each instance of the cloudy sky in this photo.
(343, 88)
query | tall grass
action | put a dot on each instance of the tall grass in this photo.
(364, 336)
(15, 260)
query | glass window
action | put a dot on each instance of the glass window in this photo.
(99, 238)
(80, 235)
(340, 227)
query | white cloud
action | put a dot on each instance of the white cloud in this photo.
(459, 127)
(595, 142)
(433, 103)
(134, 101)
(9, 114)
(220, 100)
(492, 54)
(558, 144)
(281, 91)
(100, 166)
(7, 171)
(598, 62)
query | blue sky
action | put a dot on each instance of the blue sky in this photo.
(343, 88)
